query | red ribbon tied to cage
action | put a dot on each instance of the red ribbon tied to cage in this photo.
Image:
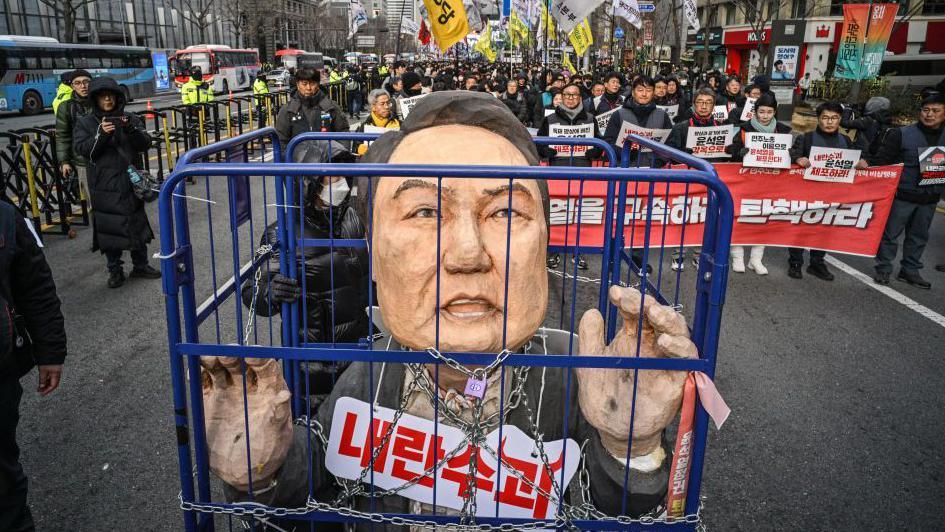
(715, 406)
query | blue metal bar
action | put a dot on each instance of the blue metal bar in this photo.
(327, 353)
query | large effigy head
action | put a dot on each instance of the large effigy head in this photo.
(440, 249)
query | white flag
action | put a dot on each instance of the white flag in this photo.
(629, 10)
(473, 15)
(570, 13)
(409, 26)
(357, 17)
(689, 6)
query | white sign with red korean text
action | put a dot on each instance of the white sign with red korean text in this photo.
(748, 110)
(582, 131)
(408, 455)
(720, 112)
(604, 118)
(767, 150)
(658, 135)
(709, 142)
(832, 165)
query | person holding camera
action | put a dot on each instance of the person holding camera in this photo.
(112, 141)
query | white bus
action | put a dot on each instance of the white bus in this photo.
(913, 71)
(227, 69)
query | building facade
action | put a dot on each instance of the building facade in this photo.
(170, 24)
(733, 43)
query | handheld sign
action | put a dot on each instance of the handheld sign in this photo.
(767, 150)
(584, 131)
(404, 105)
(748, 111)
(549, 112)
(932, 166)
(659, 135)
(832, 165)
(604, 118)
(408, 456)
(671, 110)
(709, 142)
(720, 112)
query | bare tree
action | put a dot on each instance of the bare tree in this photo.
(250, 19)
(199, 15)
(759, 15)
(67, 11)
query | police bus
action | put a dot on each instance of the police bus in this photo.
(223, 67)
(30, 68)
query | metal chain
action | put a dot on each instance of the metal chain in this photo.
(477, 373)
(264, 249)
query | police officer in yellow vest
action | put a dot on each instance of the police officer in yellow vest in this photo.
(260, 88)
(196, 90)
(64, 91)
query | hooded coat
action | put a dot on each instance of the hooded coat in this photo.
(120, 222)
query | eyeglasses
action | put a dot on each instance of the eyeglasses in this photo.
(830, 118)
(80, 83)
(570, 95)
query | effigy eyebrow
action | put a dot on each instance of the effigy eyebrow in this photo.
(504, 189)
(419, 183)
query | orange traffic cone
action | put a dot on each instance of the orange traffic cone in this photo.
(150, 107)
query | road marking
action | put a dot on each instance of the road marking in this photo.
(888, 291)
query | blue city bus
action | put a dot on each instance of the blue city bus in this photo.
(30, 69)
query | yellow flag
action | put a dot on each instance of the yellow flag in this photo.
(517, 29)
(568, 65)
(447, 21)
(484, 46)
(581, 37)
(549, 22)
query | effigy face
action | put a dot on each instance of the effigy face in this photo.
(464, 289)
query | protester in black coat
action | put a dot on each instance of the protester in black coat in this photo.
(336, 278)
(26, 285)
(112, 140)
(516, 101)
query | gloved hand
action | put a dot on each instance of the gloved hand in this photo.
(743, 152)
(283, 289)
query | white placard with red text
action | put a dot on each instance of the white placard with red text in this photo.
(932, 166)
(709, 142)
(832, 165)
(409, 455)
(583, 131)
(767, 150)
(658, 135)
(748, 110)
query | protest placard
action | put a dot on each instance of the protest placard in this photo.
(932, 166)
(709, 142)
(767, 150)
(671, 110)
(832, 165)
(748, 111)
(568, 131)
(720, 113)
(659, 135)
(604, 118)
(404, 105)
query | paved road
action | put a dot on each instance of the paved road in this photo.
(835, 391)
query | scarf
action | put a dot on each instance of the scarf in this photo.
(384, 122)
(762, 128)
(572, 113)
(642, 111)
(699, 121)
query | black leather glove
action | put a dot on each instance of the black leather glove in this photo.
(283, 289)
(743, 152)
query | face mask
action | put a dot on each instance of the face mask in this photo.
(335, 193)
(683, 82)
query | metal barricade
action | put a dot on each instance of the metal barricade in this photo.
(210, 269)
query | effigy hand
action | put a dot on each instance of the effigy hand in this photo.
(267, 414)
(606, 395)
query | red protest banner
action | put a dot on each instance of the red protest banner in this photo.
(773, 207)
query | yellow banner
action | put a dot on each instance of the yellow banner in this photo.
(447, 21)
(568, 64)
(581, 37)
(517, 29)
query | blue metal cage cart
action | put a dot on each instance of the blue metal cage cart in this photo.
(213, 213)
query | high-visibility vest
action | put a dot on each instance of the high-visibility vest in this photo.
(63, 94)
(196, 92)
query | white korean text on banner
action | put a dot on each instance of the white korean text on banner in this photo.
(585, 131)
(658, 135)
(767, 150)
(709, 142)
(408, 455)
(932, 166)
(833, 165)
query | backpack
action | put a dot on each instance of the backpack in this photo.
(352, 84)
